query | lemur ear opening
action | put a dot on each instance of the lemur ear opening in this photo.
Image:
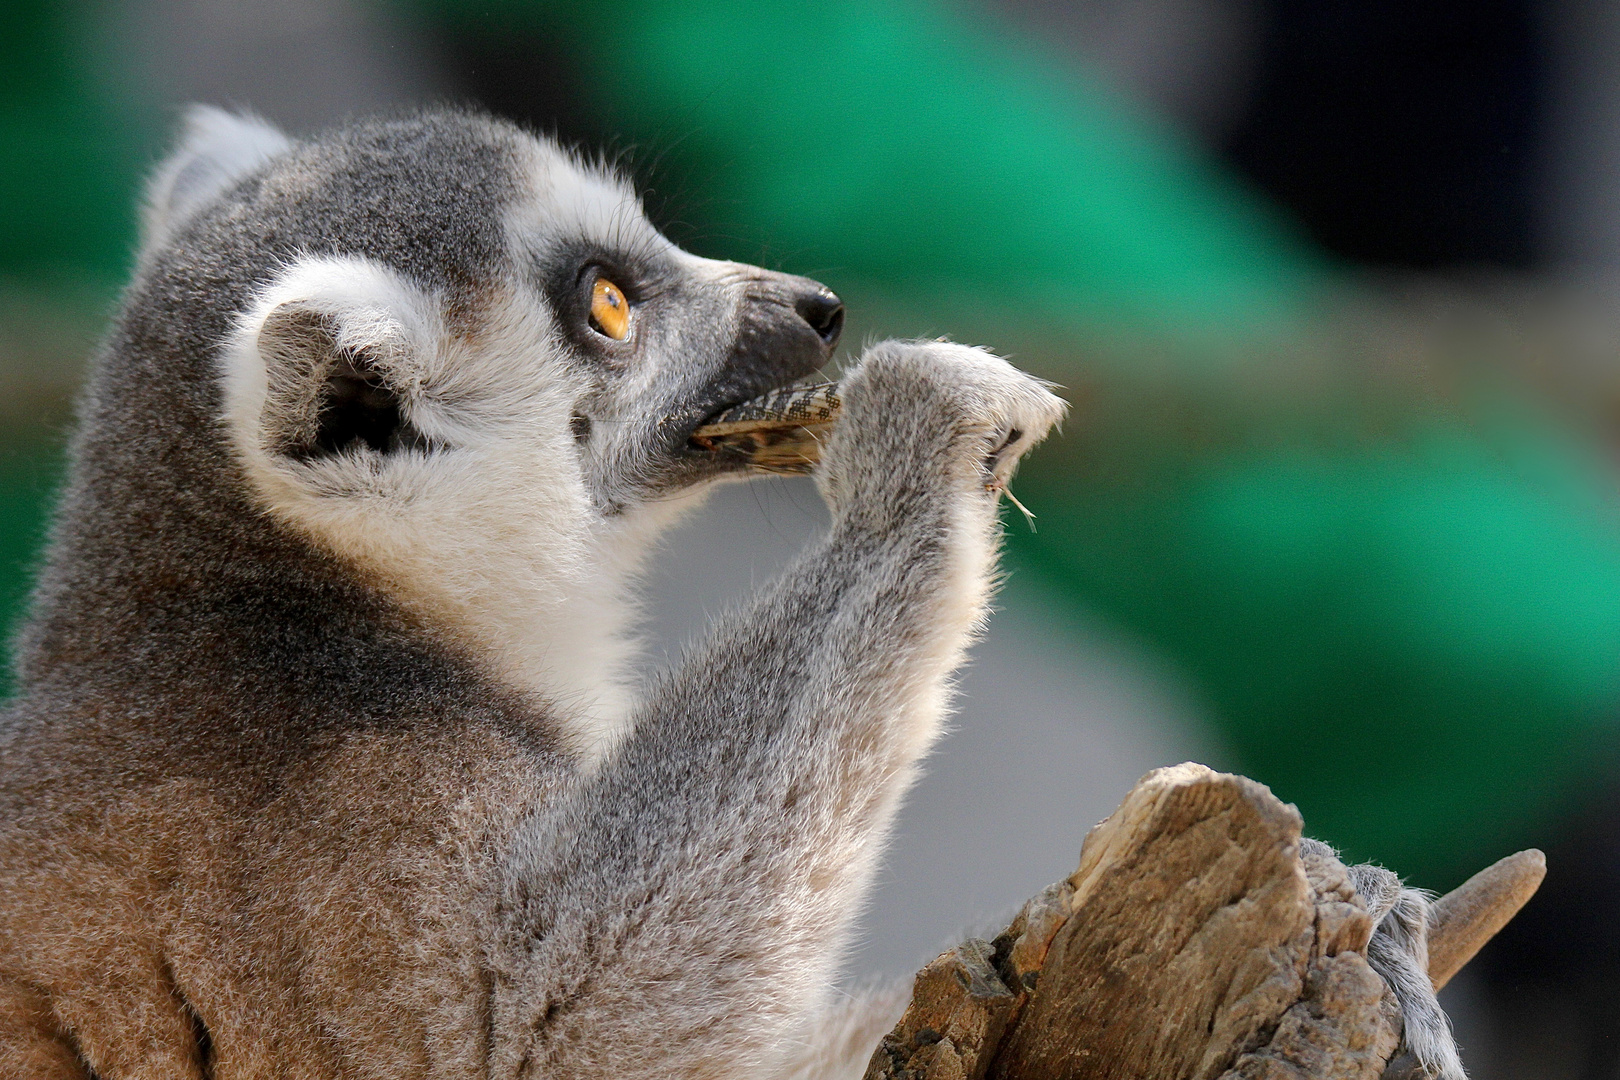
(326, 393)
(334, 356)
(216, 149)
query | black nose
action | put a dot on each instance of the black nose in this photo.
(822, 309)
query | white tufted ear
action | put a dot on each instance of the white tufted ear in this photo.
(216, 149)
(326, 326)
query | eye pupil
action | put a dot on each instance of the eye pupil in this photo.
(610, 311)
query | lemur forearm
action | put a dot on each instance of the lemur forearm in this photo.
(718, 856)
(701, 879)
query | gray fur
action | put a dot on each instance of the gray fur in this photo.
(1399, 952)
(748, 805)
(322, 767)
(264, 813)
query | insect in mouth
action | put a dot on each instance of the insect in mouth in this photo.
(779, 432)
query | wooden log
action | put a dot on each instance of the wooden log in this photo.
(1470, 915)
(1194, 942)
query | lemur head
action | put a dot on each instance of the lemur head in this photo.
(449, 285)
(447, 349)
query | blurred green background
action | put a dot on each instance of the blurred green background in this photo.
(1334, 312)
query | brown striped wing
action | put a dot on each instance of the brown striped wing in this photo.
(779, 432)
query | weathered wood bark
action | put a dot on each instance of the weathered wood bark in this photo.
(1194, 941)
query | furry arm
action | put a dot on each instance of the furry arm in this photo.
(681, 911)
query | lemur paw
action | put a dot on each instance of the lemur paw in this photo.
(936, 411)
(1399, 952)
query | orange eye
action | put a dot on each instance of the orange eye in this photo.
(610, 311)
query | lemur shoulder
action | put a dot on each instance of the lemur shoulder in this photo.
(330, 758)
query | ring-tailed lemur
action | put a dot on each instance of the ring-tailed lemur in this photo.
(326, 761)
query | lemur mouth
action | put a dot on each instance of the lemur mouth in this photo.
(778, 432)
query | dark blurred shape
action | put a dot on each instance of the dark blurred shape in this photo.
(1191, 61)
(1578, 224)
(527, 75)
(1565, 944)
(1402, 133)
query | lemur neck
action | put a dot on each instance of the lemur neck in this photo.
(569, 645)
(555, 621)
